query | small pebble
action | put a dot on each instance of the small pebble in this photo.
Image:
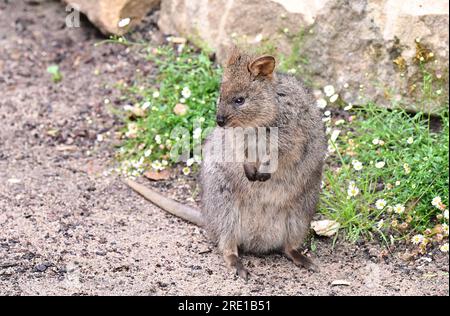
(40, 268)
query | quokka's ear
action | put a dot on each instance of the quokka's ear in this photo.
(262, 66)
(234, 56)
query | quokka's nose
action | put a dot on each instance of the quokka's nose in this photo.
(221, 120)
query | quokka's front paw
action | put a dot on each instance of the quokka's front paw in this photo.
(262, 176)
(252, 173)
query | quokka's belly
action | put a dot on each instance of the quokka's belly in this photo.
(262, 230)
(263, 223)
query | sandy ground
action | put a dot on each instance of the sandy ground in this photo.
(67, 229)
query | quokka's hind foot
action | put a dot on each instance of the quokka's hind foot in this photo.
(233, 262)
(301, 260)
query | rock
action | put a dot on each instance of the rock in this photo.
(325, 227)
(71, 148)
(371, 47)
(114, 16)
(366, 49)
(340, 283)
(157, 175)
(40, 268)
(217, 24)
(14, 181)
(180, 109)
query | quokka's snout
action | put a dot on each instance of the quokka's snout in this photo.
(221, 120)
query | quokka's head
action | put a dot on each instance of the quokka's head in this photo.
(247, 93)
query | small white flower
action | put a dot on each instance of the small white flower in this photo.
(292, 71)
(146, 105)
(399, 209)
(156, 94)
(333, 98)
(352, 191)
(436, 201)
(335, 135)
(128, 107)
(186, 170)
(417, 239)
(346, 85)
(190, 162)
(380, 224)
(147, 153)
(132, 130)
(376, 141)
(339, 122)
(357, 165)
(157, 165)
(124, 22)
(331, 149)
(410, 140)
(99, 137)
(444, 247)
(380, 164)
(158, 139)
(445, 229)
(407, 168)
(348, 107)
(380, 204)
(321, 103)
(397, 183)
(186, 93)
(327, 113)
(182, 100)
(446, 214)
(329, 90)
(381, 143)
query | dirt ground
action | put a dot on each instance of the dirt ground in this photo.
(68, 229)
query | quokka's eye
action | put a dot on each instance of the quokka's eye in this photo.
(239, 101)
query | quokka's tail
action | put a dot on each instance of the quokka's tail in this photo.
(171, 206)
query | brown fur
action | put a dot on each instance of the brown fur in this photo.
(274, 213)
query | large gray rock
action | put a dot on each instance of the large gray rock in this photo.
(219, 23)
(375, 46)
(366, 49)
(114, 16)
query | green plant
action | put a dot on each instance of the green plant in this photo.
(184, 95)
(384, 170)
(56, 74)
(295, 59)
